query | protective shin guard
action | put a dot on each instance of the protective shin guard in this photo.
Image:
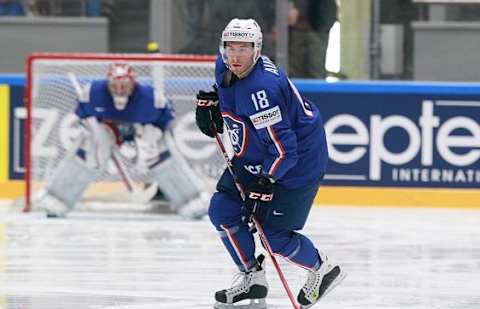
(70, 180)
(240, 244)
(177, 186)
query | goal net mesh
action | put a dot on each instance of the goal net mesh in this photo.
(53, 125)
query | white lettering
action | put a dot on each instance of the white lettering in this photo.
(47, 120)
(445, 140)
(269, 66)
(359, 137)
(253, 169)
(435, 175)
(378, 151)
(423, 139)
(428, 122)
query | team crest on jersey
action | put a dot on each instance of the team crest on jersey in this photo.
(237, 132)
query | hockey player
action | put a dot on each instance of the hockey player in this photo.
(280, 159)
(122, 118)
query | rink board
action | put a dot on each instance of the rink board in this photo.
(405, 171)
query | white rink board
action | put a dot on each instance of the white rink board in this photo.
(395, 258)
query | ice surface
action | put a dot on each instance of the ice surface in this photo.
(395, 258)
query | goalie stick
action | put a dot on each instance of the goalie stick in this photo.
(136, 195)
(257, 225)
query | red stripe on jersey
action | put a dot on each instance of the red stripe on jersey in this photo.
(280, 150)
(300, 99)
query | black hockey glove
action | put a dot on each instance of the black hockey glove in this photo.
(208, 112)
(257, 200)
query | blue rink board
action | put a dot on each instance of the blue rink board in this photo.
(392, 134)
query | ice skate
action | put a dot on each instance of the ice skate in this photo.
(319, 283)
(252, 289)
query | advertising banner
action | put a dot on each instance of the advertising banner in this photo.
(393, 139)
(385, 141)
(18, 115)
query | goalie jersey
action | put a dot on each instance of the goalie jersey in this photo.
(143, 107)
(271, 126)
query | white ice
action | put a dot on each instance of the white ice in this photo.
(396, 258)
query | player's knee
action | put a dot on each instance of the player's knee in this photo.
(282, 241)
(214, 209)
(223, 210)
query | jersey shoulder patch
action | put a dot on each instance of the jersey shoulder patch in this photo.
(266, 118)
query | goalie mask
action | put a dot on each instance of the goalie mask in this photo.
(121, 82)
(242, 30)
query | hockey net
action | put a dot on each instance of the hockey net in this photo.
(51, 99)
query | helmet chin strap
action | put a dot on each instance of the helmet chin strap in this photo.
(120, 102)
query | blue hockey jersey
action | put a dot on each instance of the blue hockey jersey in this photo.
(141, 108)
(272, 128)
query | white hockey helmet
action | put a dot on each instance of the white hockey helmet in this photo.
(242, 30)
(121, 82)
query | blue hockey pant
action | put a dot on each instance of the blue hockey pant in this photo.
(288, 212)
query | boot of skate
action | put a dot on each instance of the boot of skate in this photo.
(252, 286)
(320, 283)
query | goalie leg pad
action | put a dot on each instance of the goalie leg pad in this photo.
(175, 183)
(70, 180)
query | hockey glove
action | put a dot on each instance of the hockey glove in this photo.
(257, 200)
(208, 112)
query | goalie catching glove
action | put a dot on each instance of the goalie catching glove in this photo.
(208, 112)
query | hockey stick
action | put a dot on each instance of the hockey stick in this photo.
(135, 194)
(258, 226)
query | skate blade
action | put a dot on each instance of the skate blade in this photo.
(254, 304)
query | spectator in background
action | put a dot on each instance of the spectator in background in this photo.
(90, 8)
(309, 26)
(11, 8)
(204, 20)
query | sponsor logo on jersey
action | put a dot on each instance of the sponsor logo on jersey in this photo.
(237, 35)
(266, 118)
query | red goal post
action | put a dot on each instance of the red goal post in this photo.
(51, 99)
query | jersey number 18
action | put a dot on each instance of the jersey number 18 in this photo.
(260, 100)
